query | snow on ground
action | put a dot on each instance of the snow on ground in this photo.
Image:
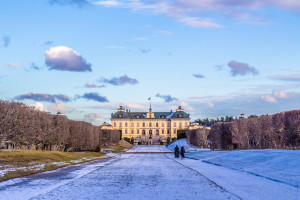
(244, 185)
(202, 175)
(37, 166)
(279, 165)
(149, 148)
(41, 183)
(182, 142)
(140, 176)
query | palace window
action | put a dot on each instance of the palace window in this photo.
(174, 131)
(120, 116)
(138, 124)
(174, 124)
(138, 131)
(169, 124)
(125, 131)
(180, 125)
(162, 116)
(126, 124)
(120, 124)
(137, 116)
(180, 115)
(163, 131)
(132, 124)
(131, 131)
(150, 124)
(156, 124)
(144, 132)
(162, 124)
(186, 124)
(168, 131)
(115, 124)
(157, 132)
(143, 124)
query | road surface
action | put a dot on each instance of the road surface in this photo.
(139, 176)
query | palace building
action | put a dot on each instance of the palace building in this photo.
(150, 127)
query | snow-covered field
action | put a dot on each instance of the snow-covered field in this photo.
(255, 174)
(278, 165)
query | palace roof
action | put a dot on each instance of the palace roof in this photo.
(143, 115)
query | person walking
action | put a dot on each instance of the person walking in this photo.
(182, 151)
(176, 151)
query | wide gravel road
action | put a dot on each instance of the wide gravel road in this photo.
(127, 176)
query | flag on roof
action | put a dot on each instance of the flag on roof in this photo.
(149, 98)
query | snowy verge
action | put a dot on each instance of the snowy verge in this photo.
(243, 185)
(275, 164)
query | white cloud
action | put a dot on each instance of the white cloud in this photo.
(12, 64)
(93, 117)
(210, 104)
(282, 94)
(58, 107)
(39, 106)
(186, 106)
(268, 99)
(109, 3)
(65, 59)
(193, 12)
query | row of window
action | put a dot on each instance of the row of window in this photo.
(150, 124)
(143, 132)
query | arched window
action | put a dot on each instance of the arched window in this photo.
(120, 116)
(180, 115)
(162, 116)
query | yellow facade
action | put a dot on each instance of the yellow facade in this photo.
(150, 127)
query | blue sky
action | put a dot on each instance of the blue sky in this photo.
(214, 58)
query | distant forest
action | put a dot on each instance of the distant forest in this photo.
(210, 122)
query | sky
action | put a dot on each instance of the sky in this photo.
(85, 58)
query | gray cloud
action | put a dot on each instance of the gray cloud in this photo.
(93, 85)
(34, 67)
(65, 59)
(43, 97)
(48, 42)
(198, 75)
(79, 3)
(118, 81)
(289, 77)
(6, 40)
(93, 96)
(243, 69)
(166, 98)
(144, 50)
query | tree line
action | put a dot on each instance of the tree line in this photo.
(24, 127)
(280, 130)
